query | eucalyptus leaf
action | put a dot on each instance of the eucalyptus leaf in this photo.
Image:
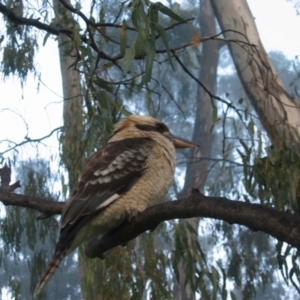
(128, 59)
(168, 12)
(161, 31)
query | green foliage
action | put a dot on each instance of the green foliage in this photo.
(140, 268)
(250, 170)
(21, 45)
(18, 59)
(272, 179)
(275, 181)
(207, 279)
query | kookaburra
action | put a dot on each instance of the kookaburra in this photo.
(133, 171)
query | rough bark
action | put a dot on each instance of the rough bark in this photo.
(278, 111)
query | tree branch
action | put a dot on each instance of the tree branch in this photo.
(281, 225)
(48, 207)
(29, 140)
(14, 18)
(32, 22)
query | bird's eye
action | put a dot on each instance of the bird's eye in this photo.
(159, 128)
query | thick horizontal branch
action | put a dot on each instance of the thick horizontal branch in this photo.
(281, 225)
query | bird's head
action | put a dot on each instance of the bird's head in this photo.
(136, 126)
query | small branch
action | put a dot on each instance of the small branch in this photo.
(172, 26)
(119, 13)
(29, 140)
(50, 29)
(14, 186)
(48, 207)
(5, 176)
(32, 22)
(211, 95)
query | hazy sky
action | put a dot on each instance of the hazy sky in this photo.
(277, 23)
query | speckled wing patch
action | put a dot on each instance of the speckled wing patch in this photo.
(108, 174)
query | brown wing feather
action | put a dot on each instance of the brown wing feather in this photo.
(113, 169)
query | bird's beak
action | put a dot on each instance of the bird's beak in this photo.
(181, 143)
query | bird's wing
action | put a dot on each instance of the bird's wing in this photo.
(108, 174)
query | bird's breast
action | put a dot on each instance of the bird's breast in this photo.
(150, 189)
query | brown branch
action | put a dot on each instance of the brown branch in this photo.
(281, 225)
(172, 26)
(120, 10)
(203, 86)
(5, 176)
(14, 18)
(48, 207)
(11, 16)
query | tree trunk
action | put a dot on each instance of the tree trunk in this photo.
(72, 154)
(196, 172)
(72, 151)
(279, 113)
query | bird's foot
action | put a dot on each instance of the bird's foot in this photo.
(133, 212)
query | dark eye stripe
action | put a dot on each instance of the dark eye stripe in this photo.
(145, 127)
(160, 127)
(164, 127)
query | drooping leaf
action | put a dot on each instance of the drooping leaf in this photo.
(128, 59)
(123, 38)
(168, 12)
(215, 114)
(150, 55)
(160, 30)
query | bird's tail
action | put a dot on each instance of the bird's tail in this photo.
(52, 266)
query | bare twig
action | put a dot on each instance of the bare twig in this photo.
(5, 176)
(119, 13)
(29, 140)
